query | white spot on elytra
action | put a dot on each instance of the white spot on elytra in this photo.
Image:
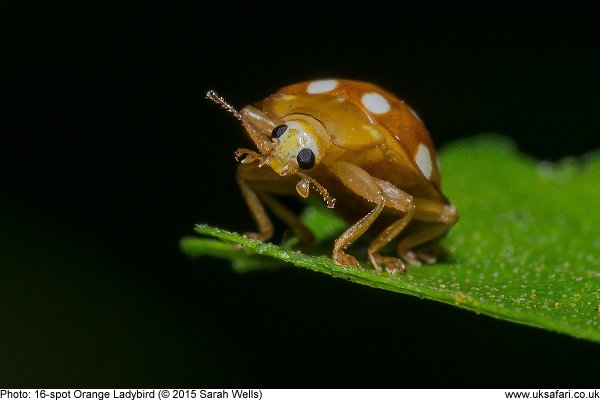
(322, 86)
(423, 159)
(375, 103)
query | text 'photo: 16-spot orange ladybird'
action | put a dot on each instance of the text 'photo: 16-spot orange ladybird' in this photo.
(367, 154)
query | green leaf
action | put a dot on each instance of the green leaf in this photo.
(526, 249)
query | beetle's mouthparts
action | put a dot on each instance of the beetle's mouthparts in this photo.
(303, 188)
(246, 156)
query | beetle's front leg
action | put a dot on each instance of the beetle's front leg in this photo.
(263, 222)
(249, 178)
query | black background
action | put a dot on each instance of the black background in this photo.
(110, 154)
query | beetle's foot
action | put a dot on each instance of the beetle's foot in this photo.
(301, 242)
(261, 237)
(342, 258)
(391, 264)
(427, 255)
(410, 257)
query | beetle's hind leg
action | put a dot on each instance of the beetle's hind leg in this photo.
(440, 218)
(410, 248)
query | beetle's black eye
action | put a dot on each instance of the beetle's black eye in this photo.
(278, 131)
(306, 159)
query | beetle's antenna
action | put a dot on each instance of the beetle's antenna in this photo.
(330, 201)
(263, 145)
(212, 95)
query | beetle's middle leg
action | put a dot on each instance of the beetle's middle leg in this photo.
(440, 218)
(402, 202)
(383, 194)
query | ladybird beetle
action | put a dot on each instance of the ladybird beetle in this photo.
(353, 142)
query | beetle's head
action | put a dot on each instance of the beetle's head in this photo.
(297, 145)
(292, 145)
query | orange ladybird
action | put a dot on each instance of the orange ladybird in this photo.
(366, 152)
